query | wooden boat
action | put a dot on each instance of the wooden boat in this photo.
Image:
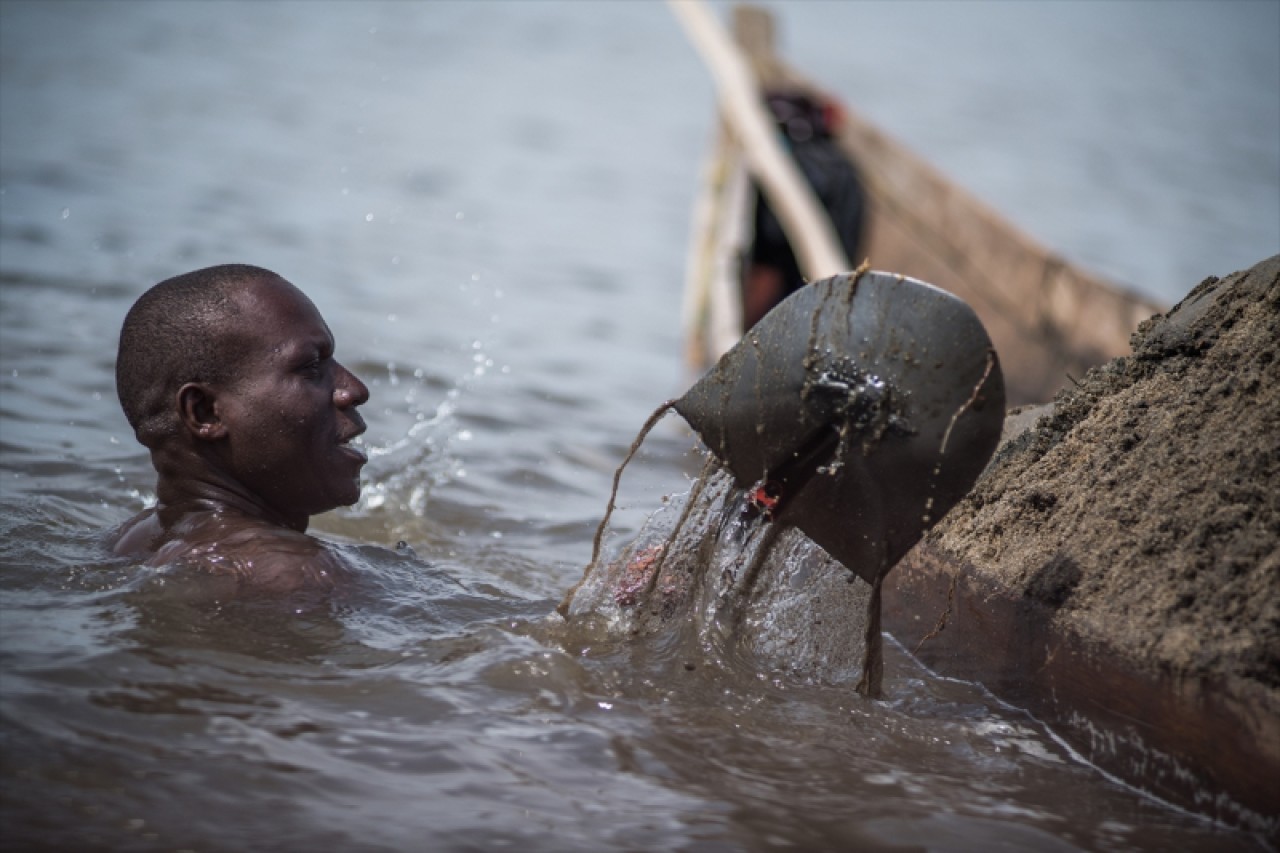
(1049, 319)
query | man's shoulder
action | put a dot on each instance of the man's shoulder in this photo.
(277, 558)
(256, 554)
(138, 535)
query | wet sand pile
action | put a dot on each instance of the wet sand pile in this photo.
(1116, 569)
(1143, 506)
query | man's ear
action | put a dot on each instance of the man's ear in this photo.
(198, 413)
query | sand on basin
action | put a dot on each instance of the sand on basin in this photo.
(1116, 568)
(1144, 505)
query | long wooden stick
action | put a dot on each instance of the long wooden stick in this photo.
(808, 229)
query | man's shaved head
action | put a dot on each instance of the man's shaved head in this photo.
(182, 330)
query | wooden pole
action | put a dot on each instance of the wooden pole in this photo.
(808, 229)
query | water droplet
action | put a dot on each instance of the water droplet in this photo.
(368, 217)
(459, 215)
(395, 260)
(66, 213)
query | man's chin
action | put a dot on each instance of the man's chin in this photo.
(341, 497)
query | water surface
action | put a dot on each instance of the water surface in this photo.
(490, 204)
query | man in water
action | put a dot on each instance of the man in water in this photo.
(227, 376)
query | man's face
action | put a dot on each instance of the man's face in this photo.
(292, 408)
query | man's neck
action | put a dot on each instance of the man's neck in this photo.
(180, 492)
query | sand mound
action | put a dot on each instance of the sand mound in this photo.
(1143, 505)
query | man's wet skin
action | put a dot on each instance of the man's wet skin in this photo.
(244, 461)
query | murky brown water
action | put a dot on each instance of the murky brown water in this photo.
(490, 205)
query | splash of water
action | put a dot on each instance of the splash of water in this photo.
(728, 581)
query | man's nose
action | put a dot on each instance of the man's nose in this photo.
(349, 391)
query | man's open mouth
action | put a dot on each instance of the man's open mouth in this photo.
(345, 444)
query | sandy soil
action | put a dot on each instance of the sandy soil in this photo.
(1143, 505)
